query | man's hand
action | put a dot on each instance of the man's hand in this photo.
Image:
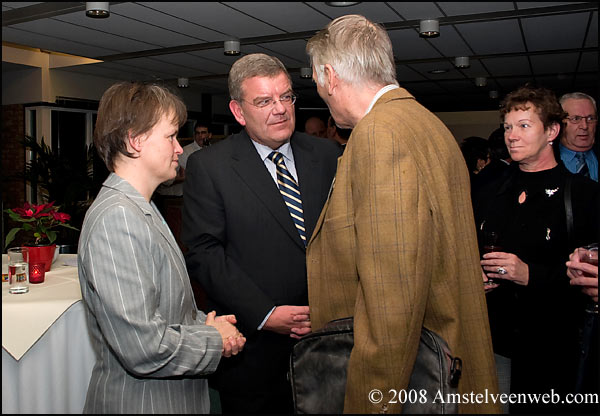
(288, 319)
(233, 340)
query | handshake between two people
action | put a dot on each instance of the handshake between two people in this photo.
(233, 340)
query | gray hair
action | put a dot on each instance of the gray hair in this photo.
(359, 50)
(577, 96)
(253, 65)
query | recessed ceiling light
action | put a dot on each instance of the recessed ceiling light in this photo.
(481, 81)
(305, 72)
(438, 71)
(429, 28)
(231, 47)
(97, 9)
(462, 62)
(341, 3)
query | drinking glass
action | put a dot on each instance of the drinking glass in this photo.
(18, 270)
(589, 254)
(490, 244)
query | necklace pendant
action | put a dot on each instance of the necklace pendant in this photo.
(551, 192)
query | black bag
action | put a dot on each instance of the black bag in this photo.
(319, 360)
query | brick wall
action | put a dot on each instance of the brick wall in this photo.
(12, 161)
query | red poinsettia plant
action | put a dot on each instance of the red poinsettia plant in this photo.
(39, 220)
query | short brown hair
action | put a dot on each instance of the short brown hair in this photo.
(132, 108)
(250, 66)
(544, 100)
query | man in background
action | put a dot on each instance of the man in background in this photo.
(578, 134)
(392, 247)
(202, 136)
(250, 204)
(315, 127)
(174, 187)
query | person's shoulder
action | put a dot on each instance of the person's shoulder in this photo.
(216, 150)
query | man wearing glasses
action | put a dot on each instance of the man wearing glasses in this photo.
(578, 136)
(250, 205)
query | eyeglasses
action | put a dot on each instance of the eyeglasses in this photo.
(287, 99)
(577, 119)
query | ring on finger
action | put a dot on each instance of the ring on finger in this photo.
(501, 270)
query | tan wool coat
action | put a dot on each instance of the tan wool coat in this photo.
(395, 247)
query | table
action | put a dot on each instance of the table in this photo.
(47, 356)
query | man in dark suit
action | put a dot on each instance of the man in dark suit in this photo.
(246, 244)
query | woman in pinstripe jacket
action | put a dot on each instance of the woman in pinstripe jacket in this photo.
(152, 343)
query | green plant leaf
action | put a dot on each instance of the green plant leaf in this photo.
(11, 236)
(51, 235)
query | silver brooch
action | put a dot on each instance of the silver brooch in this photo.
(551, 192)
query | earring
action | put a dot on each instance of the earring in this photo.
(550, 143)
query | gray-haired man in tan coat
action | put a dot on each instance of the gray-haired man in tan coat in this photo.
(395, 245)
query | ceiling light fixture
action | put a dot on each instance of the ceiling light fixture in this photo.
(438, 71)
(462, 62)
(429, 28)
(305, 72)
(183, 82)
(341, 3)
(97, 9)
(481, 81)
(231, 47)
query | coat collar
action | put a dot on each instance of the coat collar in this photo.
(149, 209)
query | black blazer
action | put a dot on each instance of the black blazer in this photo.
(244, 249)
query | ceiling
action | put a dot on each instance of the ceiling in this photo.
(554, 44)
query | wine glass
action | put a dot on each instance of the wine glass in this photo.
(490, 244)
(589, 254)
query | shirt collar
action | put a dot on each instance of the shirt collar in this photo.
(379, 94)
(568, 154)
(264, 151)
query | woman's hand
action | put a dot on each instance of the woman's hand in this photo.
(487, 285)
(506, 266)
(584, 275)
(233, 340)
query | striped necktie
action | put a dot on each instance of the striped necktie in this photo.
(290, 191)
(581, 166)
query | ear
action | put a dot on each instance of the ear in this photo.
(553, 131)
(331, 79)
(134, 144)
(237, 111)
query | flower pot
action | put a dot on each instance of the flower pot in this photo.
(42, 254)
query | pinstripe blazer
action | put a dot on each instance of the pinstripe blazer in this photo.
(395, 247)
(150, 340)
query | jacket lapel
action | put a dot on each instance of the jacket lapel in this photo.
(251, 169)
(309, 177)
(150, 212)
(321, 218)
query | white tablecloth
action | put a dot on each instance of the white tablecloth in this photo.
(47, 357)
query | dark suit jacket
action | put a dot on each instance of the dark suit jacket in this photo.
(243, 246)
